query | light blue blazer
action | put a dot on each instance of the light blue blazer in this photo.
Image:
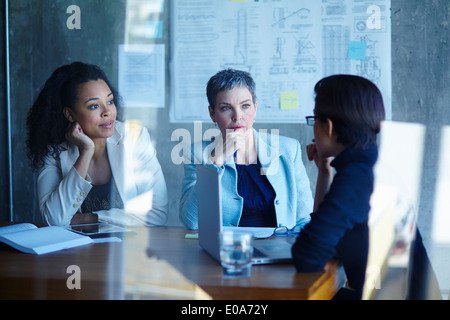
(281, 161)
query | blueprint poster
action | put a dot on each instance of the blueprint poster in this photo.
(286, 45)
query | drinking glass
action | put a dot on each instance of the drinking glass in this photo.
(236, 252)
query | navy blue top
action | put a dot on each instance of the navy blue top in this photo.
(258, 195)
(339, 227)
(102, 197)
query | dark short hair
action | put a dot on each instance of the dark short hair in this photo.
(226, 80)
(355, 106)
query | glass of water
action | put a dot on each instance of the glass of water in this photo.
(236, 252)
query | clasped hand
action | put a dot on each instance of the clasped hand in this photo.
(322, 163)
(76, 136)
(235, 141)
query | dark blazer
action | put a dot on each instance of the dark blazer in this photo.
(339, 227)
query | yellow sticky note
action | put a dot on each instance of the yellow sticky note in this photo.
(288, 100)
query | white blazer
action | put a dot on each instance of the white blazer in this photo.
(136, 171)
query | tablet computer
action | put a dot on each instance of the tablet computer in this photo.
(100, 229)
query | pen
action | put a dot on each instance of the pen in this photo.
(235, 152)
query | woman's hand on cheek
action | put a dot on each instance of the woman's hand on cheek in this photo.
(76, 136)
(322, 163)
(311, 151)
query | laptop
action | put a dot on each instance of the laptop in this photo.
(266, 251)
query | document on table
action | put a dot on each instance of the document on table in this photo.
(258, 232)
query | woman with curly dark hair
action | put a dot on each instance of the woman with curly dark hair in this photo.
(89, 167)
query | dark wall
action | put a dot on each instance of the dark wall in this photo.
(421, 93)
(39, 43)
(420, 82)
(4, 184)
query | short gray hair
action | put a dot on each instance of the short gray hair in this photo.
(226, 80)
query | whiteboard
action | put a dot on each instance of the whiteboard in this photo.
(286, 45)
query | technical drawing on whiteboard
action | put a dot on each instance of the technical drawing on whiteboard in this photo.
(287, 46)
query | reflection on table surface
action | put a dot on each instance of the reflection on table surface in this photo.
(155, 263)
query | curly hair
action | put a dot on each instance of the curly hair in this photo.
(46, 124)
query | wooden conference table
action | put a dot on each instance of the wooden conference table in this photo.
(156, 263)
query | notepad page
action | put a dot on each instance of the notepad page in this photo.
(258, 232)
(17, 228)
(44, 240)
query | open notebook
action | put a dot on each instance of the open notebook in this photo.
(28, 238)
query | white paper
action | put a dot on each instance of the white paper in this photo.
(142, 75)
(286, 45)
(258, 232)
(44, 240)
(16, 228)
(107, 240)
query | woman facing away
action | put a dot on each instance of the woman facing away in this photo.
(347, 118)
(90, 166)
(263, 179)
